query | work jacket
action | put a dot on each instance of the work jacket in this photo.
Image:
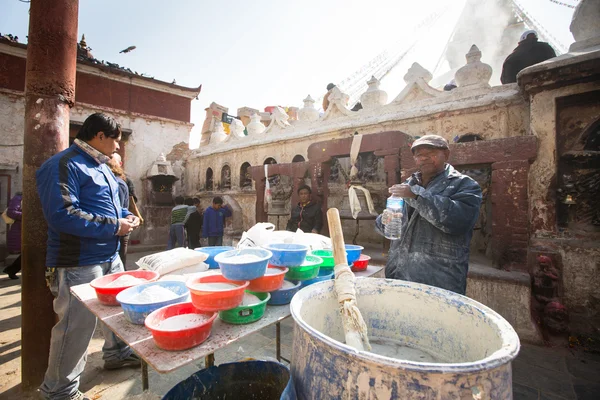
(434, 244)
(80, 200)
(213, 224)
(306, 218)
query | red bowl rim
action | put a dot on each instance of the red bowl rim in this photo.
(205, 323)
(242, 285)
(364, 257)
(155, 274)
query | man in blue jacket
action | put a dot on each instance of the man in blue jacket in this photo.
(441, 206)
(80, 201)
(214, 222)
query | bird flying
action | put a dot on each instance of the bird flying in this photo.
(127, 50)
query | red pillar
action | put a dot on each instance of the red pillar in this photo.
(49, 94)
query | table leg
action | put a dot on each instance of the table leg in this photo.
(209, 360)
(278, 343)
(144, 375)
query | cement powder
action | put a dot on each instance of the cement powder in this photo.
(243, 259)
(153, 294)
(250, 299)
(180, 322)
(126, 280)
(287, 285)
(398, 350)
(273, 271)
(214, 287)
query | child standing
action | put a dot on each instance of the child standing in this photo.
(193, 225)
(214, 222)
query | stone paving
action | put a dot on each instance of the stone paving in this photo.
(538, 372)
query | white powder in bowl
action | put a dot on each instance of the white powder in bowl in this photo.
(287, 285)
(273, 271)
(250, 300)
(153, 294)
(180, 322)
(214, 286)
(243, 259)
(126, 280)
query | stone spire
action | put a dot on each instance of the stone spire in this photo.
(416, 72)
(474, 74)
(585, 26)
(308, 112)
(255, 127)
(373, 97)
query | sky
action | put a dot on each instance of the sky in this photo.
(263, 52)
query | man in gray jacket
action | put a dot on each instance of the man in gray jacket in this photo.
(441, 206)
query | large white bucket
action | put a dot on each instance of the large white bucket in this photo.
(471, 345)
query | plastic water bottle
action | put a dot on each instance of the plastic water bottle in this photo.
(393, 227)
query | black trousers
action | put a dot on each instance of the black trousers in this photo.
(215, 240)
(193, 240)
(123, 250)
(14, 267)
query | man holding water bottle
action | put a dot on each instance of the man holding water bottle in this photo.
(439, 210)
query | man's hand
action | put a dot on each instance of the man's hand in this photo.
(125, 226)
(135, 221)
(402, 190)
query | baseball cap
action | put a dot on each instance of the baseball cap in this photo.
(527, 33)
(430, 140)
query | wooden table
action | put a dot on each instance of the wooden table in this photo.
(222, 334)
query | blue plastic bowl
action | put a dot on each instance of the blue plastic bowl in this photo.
(353, 252)
(212, 251)
(243, 271)
(283, 296)
(324, 275)
(137, 313)
(287, 255)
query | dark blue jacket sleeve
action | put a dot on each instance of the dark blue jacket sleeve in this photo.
(60, 204)
(455, 214)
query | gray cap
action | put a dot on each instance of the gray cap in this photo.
(430, 140)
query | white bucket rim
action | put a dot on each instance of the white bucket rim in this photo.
(505, 354)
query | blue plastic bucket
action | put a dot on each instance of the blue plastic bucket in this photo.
(283, 296)
(212, 251)
(137, 313)
(243, 271)
(287, 254)
(324, 274)
(264, 380)
(353, 252)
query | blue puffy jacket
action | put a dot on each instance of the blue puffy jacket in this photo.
(434, 245)
(80, 200)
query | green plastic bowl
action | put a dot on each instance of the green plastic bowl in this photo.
(246, 314)
(327, 256)
(308, 270)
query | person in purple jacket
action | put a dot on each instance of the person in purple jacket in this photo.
(14, 235)
(214, 222)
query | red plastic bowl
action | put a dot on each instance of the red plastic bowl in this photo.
(220, 300)
(362, 263)
(185, 338)
(269, 283)
(108, 295)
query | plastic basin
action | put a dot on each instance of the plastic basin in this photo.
(287, 254)
(268, 283)
(243, 271)
(353, 251)
(136, 313)
(362, 263)
(212, 251)
(307, 270)
(216, 300)
(246, 314)
(327, 256)
(108, 295)
(284, 296)
(324, 275)
(181, 339)
(264, 380)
